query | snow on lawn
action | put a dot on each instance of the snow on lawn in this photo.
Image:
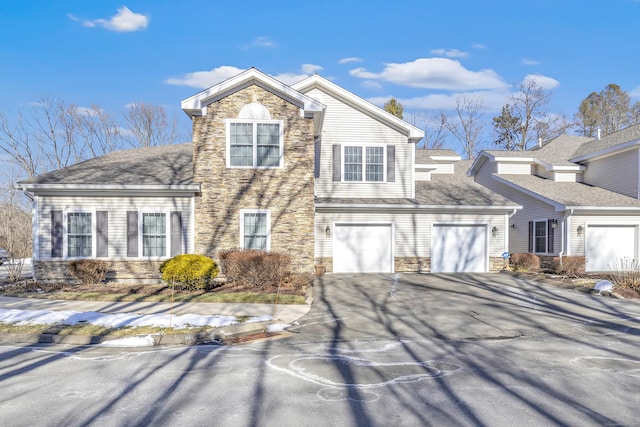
(130, 342)
(118, 320)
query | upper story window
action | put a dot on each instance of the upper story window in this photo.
(364, 163)
(79, 234)
(254, 140)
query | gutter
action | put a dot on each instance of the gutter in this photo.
(564, 232)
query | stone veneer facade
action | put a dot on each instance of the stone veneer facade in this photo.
(125, 271)
(415, 264)
(287, 192)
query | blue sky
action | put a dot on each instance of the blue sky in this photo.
(425, 53)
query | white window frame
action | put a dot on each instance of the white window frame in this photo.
(546, 236)
(255, 123)
(65, 235)
(167, 239)
(364, 162)
(253, 211)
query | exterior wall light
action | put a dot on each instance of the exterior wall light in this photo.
(580, 230)
(327, 231)
(513, 225)
(554, 223)
(494, 231)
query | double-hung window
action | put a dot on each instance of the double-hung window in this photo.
(254, 144)
(254, 229)
(154, 234)
(541, 236)
(364, 163)
(79, 234)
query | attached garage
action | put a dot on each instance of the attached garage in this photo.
(362, 248)
(606, 244)
(459, 248)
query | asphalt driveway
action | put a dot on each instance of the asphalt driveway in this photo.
(461, 307)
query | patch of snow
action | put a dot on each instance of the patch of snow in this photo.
(264, 318)
(130, 342)
(277, 327)
(603, 286)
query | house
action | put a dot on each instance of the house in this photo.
(311, 170)
(579, 196)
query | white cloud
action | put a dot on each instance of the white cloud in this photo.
(526, 61)
(492, 101)
(544, 82)
(123, 21)
(434, 73)
(261, 41)
(205, 79)
(635, 93)
(371, 84)
(478, 46)
(310, 68)
(349, 60)
(450, 53)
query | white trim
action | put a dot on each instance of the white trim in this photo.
(546, 236)
(118, 187)
(35, 229)
(365, 224)
(259, 211)
(254, 124)
(413, 207)
(364, 162)
(604, 152)
(167, 233)
(413, 171)
(192, 228)
(65, 233)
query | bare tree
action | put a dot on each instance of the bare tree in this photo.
(15, 230)
(466, 124)
(149, 125)
(435, 131)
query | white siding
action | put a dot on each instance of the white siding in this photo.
(345, 125)
(542, 171)
(617, 173)
(423, 176)
(564, 177)
(533, 210)
(514, 168)
(117, 208)
(411, 231)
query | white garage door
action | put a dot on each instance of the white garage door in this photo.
(362, 248)
(459, 249)
(607, 244)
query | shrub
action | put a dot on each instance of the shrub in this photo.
(572, 266)
(525, 262)
(189, 271)
(625, 273)
(88, 271)
(254, 268)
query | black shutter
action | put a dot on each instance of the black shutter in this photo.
(337, 162)
(132, 233)
(57, 231)
(530, 236)
(550, 236)
(102, 231)
(391, 163)
(176, 233)
(317, 149)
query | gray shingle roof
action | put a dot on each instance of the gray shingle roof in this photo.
(556, 152)
(425, 156)
(631, 133)
(162, 165)
(572, 194)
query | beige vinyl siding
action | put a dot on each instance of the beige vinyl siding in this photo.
(411, 231)
(617, 173)
(346, 125)
(577, 243)
(535, 210)
(117, 208)
(542, 171)
(514, 168)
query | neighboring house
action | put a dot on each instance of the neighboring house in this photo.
(310, 170)
(579, 196)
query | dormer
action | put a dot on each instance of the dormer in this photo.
(431, 162)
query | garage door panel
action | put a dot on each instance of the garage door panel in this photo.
(606, 244)
(362, 249)
(459, 249)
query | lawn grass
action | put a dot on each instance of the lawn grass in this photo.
(93, 330)
(241, 297)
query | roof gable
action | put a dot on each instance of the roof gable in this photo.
(412, 132)
(196, 105)
(607, 145)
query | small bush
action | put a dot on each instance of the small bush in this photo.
(88, 271)
(572, 266)
(189, 271)
(525, 262)
(255, 268)
(625, 273)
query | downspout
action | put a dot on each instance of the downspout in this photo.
(507, 231)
